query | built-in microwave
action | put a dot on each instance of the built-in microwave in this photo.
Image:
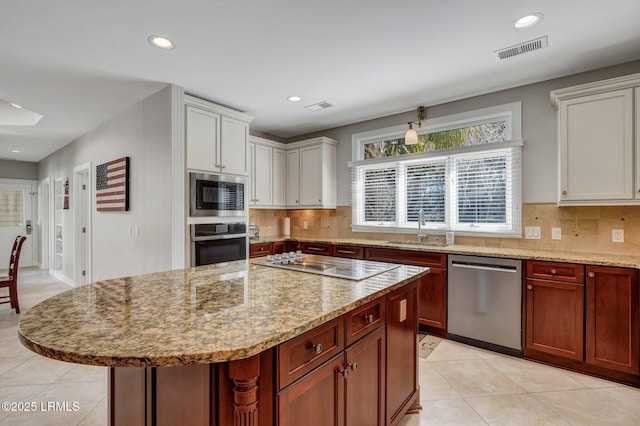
(217, 195)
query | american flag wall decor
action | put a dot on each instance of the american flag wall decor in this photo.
(112, 186)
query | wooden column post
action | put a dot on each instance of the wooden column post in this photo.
(244, 374)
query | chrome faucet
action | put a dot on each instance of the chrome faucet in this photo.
(421, 223)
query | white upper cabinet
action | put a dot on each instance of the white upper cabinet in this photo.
(261, 175)
(293, 178)
(216, 138)
(268, 185)
(598, 150)
(315, 173)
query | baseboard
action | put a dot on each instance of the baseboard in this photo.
(68, 281)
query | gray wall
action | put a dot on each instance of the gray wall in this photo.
(11, 169)
(539, 127)
(143, 133)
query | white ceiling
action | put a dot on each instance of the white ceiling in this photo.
(81, 62)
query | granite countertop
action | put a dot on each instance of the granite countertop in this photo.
(603, 259)
(199, 315)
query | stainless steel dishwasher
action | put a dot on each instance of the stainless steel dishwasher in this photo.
(485, 302)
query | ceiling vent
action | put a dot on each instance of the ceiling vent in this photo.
(319, 106)
(519, 49)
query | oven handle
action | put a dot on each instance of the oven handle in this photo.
(218, 237)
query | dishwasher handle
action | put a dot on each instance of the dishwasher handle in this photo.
(485, 266)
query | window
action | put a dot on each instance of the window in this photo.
(11, 207)
(464, 174)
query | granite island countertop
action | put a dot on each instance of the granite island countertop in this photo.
(199, 315)
(589, 258)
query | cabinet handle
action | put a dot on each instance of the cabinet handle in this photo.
(353, 366)
(591, 274)
(347, 251)
(315, 248)
(368, 318)
(261, 248)
(317, 349)
(345, 373)
(553, 272)
(529, 287)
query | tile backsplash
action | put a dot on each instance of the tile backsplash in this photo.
(583, 229)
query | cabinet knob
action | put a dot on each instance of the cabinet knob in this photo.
(564, 192)
(591, 274)
(319, 200)
(224, 167)
(353, 366)
(217, 165)
(317, 348)
(529, 287)
(553, 272)
(296, 201)
(345, 373)
(261, 248)
(368, 318)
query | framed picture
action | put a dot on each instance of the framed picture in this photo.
(112, 186)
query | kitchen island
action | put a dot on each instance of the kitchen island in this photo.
(233, 345)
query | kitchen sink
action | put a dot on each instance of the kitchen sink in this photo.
(420, 243)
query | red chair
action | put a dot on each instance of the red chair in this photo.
(11, 281)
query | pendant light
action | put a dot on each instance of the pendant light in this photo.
(411, 136)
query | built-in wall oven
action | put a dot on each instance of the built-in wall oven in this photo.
(217, 195)
(218, 243)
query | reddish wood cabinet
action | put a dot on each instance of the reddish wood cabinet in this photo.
(554, 309)
(259, 249)
(613, 318)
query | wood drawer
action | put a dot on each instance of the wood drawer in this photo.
(353, 252)
(300, 355)
(408, 257)
(317, 248)
(364, 319)
(556, 271)
(259, 249)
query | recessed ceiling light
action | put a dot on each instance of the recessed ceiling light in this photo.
(160, 42)
(294, 98)
(15, 151)
(16, 105)
(527, 21)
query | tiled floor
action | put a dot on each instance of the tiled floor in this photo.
(460, 385)
(463, 385)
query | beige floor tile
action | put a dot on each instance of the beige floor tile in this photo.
(85, 373)
(476, 378)
(514, 410)
(449, 412)
(592, 382)
(588, 407)
(17, 394)
(35, 371)
(97, 416)
(433, 387)
(61, 404)
(451, 351)
(534, 377)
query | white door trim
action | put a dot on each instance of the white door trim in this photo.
(43, 221)
(78, 207)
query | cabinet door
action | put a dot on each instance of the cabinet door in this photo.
(233, 146)
(554, 318)
(279, 185)
(293, 178)
(311, 176)
(402, 350)
(613, 318)
(365, 385)
(596, 147)
(202, 132)
(262, 176)
(432, 305)
(315, 400)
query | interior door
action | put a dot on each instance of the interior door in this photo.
(16, 198)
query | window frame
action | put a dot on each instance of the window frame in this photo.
(511, 113)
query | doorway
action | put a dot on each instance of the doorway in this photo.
(17, 197)
(82, 223)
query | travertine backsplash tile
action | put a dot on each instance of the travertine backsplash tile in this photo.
(584, 229)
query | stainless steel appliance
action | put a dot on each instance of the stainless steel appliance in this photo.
(217, 195)
(485, 302)
(254, 232)
(351, 269)
(218, 243)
